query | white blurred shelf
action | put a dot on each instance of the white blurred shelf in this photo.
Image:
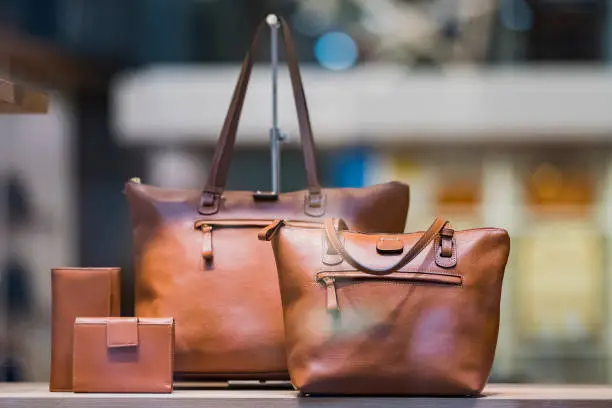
(374, 104)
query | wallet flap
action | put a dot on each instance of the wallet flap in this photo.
(122, 332)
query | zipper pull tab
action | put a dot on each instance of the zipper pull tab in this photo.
(267, 233)
(207, 244)
(332, 297)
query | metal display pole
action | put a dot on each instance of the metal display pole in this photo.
(276, 136)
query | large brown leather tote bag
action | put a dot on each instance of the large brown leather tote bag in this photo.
(389, 314)
(197, 257)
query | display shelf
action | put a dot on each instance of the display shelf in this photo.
(15, 98)
(371, 104)
(42, 62)
(34, 395)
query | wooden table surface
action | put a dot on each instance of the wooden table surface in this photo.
(33, 395)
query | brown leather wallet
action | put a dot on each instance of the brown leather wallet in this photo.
(77, 292)
(123, 354)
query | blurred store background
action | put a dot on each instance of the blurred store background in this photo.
(496, 112)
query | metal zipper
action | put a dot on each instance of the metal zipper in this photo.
(410, 278)
(207, 226)
(254, 223)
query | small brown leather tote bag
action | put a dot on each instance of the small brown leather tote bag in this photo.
(389, 314)
(197, 257)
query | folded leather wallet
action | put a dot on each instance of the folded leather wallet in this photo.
(77, 292)
(123, 354)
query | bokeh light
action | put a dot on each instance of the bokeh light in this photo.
(336, 51)
(516, 15)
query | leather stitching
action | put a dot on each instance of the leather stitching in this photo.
(419, 270)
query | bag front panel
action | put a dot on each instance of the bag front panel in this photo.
(424, 330)
(228, 314)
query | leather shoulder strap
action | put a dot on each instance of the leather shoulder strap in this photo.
(217, 176)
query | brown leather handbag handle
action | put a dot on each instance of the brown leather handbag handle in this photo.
(426, 238)
(217, 176)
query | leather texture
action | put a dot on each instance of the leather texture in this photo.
(421, 322)
(77, 292)
(197, 256)
(123, 354)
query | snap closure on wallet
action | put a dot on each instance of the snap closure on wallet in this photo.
(390, 246)
(122, 332)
